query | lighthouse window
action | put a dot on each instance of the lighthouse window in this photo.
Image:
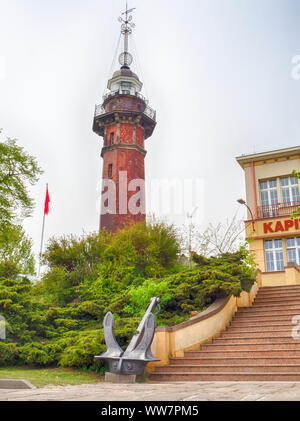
(126, 87)
(274, 255)
(110, 171)
(290, 190)
(293, 250)
(112, 138)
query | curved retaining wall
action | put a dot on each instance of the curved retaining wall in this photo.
(172, 341)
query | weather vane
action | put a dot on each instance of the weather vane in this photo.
(125, 58)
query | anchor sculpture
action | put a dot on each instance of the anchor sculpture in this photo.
(137, 354)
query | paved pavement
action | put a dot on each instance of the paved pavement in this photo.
(177, 391)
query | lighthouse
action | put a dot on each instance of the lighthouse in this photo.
(125, 121)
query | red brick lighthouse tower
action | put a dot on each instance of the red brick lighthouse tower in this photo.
(124, 120)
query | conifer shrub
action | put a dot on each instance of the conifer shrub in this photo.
(9, 354)
(59, 320)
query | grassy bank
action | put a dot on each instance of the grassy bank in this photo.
(41, 377)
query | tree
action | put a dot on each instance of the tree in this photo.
(16, 248)
(99, 264)
(296, 211)
(225, 237)
(17, 170)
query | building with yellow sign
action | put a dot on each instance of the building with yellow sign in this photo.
(272, 196)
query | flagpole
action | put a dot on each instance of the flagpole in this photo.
(42, 239)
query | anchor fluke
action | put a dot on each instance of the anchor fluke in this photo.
(112, 347)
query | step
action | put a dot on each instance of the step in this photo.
(273, 308)
(261, 324)
(255, 320)
(258, 327)
(222, 368)
(286, 291)
(263, 346)
(230, 376)
(266, 339)
(278, 294)
(274, 352)
(275, 295)
(274, 301)
(275, 315)
(234, 361)
(273, 304)
(276, 310)
(261, 327)
(279, 288)
(261, 334)
(277, 299)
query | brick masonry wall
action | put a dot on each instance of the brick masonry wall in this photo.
(128, 160)
(140, 136)
(126, 132)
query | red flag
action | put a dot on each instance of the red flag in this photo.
(47, 200)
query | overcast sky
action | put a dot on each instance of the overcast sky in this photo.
(218, 72)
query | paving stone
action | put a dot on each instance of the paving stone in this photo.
(190, 391)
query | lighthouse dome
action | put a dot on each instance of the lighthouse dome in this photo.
(125, 81)
(126, 73)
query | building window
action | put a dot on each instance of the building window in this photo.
(110, 171)
(268, 192)
(125, 88)
(269, 197)
(111, 138)
(274, 255)
(293, 250)
(289, 190)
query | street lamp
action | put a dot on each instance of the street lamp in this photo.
(242, 202)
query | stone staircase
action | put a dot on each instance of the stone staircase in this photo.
(258, 345)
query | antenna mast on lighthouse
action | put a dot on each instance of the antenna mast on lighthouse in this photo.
(125, 58)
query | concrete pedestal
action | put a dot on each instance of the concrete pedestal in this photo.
(120, 378)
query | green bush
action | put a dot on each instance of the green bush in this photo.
(9, 354)
(82, 348)
(59, 320)
(140, 297)
(36, 354)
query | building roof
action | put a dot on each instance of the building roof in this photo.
(278, 153)
(125, 72)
